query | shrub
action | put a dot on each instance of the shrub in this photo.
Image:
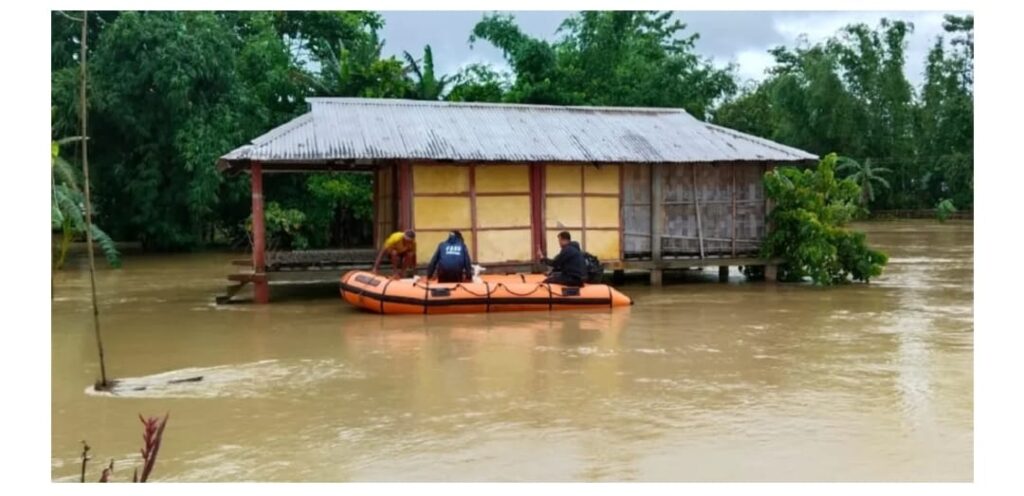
(944, 209)
(807, 226)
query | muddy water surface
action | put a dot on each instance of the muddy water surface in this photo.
(699, 381)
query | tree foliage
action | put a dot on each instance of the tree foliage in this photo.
(867, 176)
(850, 94)
(67, 210)
(172, 91)
(811, 210)
(427, 85)
(621, 58)
(479, 83)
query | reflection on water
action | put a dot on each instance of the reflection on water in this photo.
(698, 381)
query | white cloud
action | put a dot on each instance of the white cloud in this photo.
(753, 63)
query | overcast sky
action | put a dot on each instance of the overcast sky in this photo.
(740, 37)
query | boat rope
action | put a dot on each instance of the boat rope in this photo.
(426, 296)
(539, 286)
(488, 291)
(383, 292)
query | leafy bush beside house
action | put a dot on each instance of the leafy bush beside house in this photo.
(808, 226)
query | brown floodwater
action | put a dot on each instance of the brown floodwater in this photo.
(699, 381)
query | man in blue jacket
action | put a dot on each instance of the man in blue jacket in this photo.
(568, 268)
(451, 260)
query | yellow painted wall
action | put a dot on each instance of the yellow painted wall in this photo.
(552, 239)
(602, 211)
(427, 241)
(603, 179)
(440, 179)
(503, 179)
(504, 246)
(602, 244)
(441, 212)
(562, 178)
(561, 213)
(565, 210)
(502, 211)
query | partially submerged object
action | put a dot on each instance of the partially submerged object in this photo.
(488, 293)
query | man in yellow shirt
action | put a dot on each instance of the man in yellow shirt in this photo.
(401, 247)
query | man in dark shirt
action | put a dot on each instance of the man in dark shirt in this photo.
(568, 268)
(451, 260)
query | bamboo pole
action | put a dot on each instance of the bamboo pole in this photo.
(83, 113)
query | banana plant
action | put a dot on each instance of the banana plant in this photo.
(67, 209)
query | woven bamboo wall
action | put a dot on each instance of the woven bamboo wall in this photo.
(730, 199)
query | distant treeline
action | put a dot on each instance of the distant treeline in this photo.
(172, 91)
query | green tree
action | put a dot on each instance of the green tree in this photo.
(808, 226)
(166, 99)
(426, 86)
(342, 207)
(359, 70)
(609, 58)
(751, 111)
(945, 118)
(175, 90)
(866, 175)
(850, 93)
(479, 83)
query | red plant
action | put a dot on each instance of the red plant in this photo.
(152, 436)
(105, 476)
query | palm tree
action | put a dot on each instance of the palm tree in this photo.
(427, 86)
(866, 176)
(67, 214)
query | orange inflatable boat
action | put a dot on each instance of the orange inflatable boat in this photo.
(494, 293)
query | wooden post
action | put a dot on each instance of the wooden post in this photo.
(472, 210)
(656, 277)
(376, 206)
(696, 207)
(261, 287)
(657, 207)
(771, 272)
(723, 273)
(733, 197)
(583, 206)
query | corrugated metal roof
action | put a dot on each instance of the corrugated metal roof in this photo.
(340, 129)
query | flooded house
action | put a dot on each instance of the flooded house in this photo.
(640, 188)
